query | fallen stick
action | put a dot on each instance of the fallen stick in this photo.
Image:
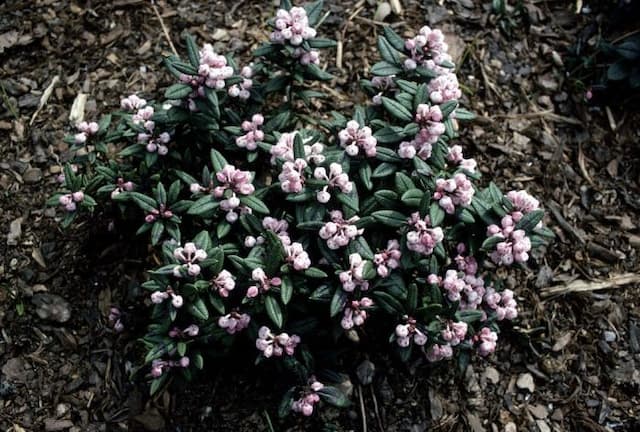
(44, 98)
(615, 281)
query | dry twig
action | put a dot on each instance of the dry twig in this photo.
(615, 281)
(164, 28)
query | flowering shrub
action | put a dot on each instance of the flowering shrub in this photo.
(292, 229)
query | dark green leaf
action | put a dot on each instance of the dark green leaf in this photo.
(391, 218)
(178, 91)
(198, 309)
(385, 69)
(273, 310)
(396, 109)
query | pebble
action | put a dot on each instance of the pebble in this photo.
(492, 375)
(510, 427)
(609, 336)
(52, 425)
(62, 409)
(365, 372)
(52, 307)
(539, 411)
(543, 426)
(15, 231)
(383, 11)
(32, 175)
(525, 382)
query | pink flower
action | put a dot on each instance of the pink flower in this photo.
(336, 179)
(234, 179)
(444, 88)
(504, 304)
(284, 149)
(297, 256)
(308, 398)
(456, 191)
(408, 332)
(276, 345)
(438, 352)
(339, 232)
(132, 103)
(486, 340)
(355, 138)
(264, 283)
(188, 256)
(253, 133)
(292, 26)
(224, 283)
(234, 322)
(427, 50)
(422, 238)
(354, 277)
(292, 177)
(516, 244)
(388, 259)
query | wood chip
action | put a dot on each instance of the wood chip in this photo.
(616, 281)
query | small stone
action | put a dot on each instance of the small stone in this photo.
(510, 427)
(539, 411)
(492, 375)
(383, 11)
(151, 420)
(548, 83)
(474, 423)
(15, 231)
(543, 426)
(62, 409)
(52, 425)
(609, 336)
(365, 372)
(52, 307)
(525, 382)
(14, 369)
(32, 175)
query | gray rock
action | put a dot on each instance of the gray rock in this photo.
(366, 370)
(52, 307)
(32, 175)
(525, 382)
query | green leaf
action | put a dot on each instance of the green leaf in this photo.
(192, 51)
(254, 204)
(407, 86)
(203, 207)
(315, 273)
(157, 384)
(421, 97)
(198, 309)
(334, 396)
(156, 232)
(322, 43)
(212, 98)
(469, 316)
(448, 107)
(286, 290)
(222, 229)
(490, 243)
(387, 302)
(385, 169)
(273, 310)
(384, 68)
(530, 220)
(463, 114)
(298, 147)
(387, 198)
(387, 51)
(217, 160)
(338, 302)
(618, 71)
(349, 200)
(396, 109)
(403, 183)
(393, 38)
(318, 73)
(182, 349)
(365, 175)
(412, 197)
(436, 214)
(412, 297)
(390, 218)
(314, 12)
(178, 91)
(285, 404)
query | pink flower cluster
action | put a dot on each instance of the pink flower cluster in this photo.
(444, 88)
(233, 179)
(355, 138)
(486, 339)
(161, 212)
(339, 232)
(436, 352)
(233, 208)
(354, 277)
(456, 191)
(354, 314)
(307, 57)
(158, 366)
(264, 283)
(408, 332)
(158, 297)
(503, 303)
(456, 157)
(454, 332)
(382, 83)
(388, 259)
(121, 186)
(132, 103)
(224, 283)
(308, 399)
(86, 130)
(279, 227)
(253, 133)
(297, 256)
(336, 178)
(421, 238)
(465, 288)
(523, 203)
(115, 319)
(429, 118)
(292, 26)
(190, 331)
(276, 345)
(428, 49)
(234, 322)
(242, 90)
(516, 245)
(143, 117)
(69, 201)
(284, 149)
(292, 176)
(213, 69)
(189, 256)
